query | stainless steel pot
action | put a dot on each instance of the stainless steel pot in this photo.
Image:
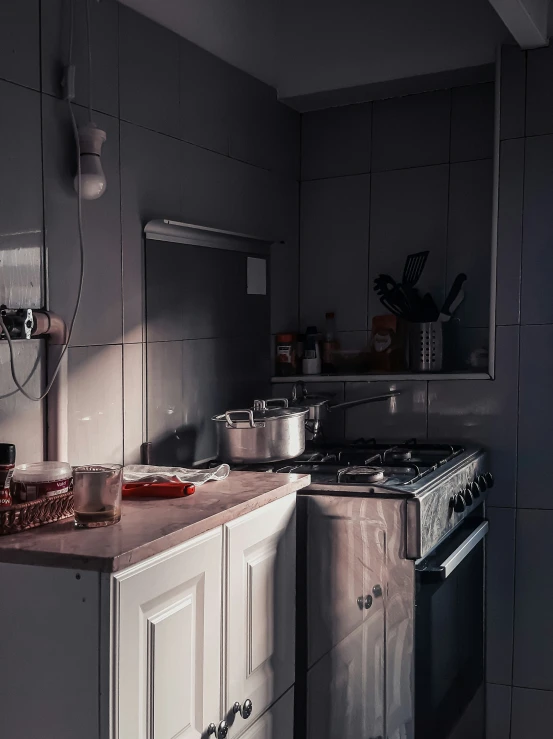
(319, 406)
(270, 432)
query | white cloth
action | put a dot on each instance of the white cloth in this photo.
(147, 473)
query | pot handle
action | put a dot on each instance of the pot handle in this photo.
(232, 422)
(277, 403)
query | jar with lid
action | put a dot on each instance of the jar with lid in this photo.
(41, 479)
(7, 465)
(285, 355)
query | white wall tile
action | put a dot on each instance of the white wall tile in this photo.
(513, 91)
(104, 19)
(148, 73)
(539, 96)
(537, 255)
(100, 315)
(334, 251)
(469, 239)
(484, 412)
(535, 418)
(21, 237)
(532, 713)
(498, 711)
(509, 236)
(472, 122)
(533, 662)
(500, 561)
(408, 214)
(151, 187)
(336, 142)
(95, 404)
(133, 401)
(22, 420)
(397, 419)
(20, 42)
(411, 131)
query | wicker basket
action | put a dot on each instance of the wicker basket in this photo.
(23, 516)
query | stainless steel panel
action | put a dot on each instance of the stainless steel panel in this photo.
(432, 513)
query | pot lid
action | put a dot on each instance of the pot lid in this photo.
(262, 411)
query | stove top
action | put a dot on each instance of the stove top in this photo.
(397, 467)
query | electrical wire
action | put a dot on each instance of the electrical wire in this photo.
(74, 126)
(89, 59)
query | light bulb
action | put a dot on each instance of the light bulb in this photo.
(93, 179)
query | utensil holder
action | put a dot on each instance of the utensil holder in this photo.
(426, 346)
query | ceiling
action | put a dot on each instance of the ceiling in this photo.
(302, 47)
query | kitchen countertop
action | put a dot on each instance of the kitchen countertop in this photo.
(148, 526)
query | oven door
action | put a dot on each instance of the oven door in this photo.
(449, 637)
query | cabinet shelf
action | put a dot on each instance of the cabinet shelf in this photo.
(388, 377)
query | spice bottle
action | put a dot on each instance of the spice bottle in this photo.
(7, 464)
(285, 355)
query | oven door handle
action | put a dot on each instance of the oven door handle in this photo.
(444, 570)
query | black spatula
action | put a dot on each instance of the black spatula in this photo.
(414, 266)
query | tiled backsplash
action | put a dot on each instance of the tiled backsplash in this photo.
(188, 137)
(385, 179)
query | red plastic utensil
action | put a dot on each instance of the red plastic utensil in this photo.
(158, 489)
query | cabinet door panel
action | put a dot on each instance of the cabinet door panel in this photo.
(276, 723)
(261, 586)
(168, 642)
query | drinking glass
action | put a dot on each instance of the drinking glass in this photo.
(97, 495)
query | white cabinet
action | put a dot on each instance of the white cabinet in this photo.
(168, 642)
(260, 605)
(206, 625)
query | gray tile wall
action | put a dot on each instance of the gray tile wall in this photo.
(385, 179)
(188, 137)
(510, 415)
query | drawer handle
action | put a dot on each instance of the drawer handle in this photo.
(245, 710)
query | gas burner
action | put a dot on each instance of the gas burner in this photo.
(360, 474)
(398, 455)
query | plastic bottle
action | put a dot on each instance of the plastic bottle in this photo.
(330, 343)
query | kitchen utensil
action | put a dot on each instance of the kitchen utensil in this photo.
(319, 406)
(414, 266)
(165, 489)
(270, 432)
(452, 297)
(391, 295)
(430, 309)
(426, 346)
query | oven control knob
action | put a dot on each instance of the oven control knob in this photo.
(458, 503)
(467, 494)
(489, 479)
(475, 489)
(482, 483)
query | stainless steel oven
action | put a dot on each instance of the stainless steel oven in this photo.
(449, 637)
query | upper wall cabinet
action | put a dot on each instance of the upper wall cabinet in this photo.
(383, 182)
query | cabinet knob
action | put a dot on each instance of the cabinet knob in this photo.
(220, 732)
(245, 710)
